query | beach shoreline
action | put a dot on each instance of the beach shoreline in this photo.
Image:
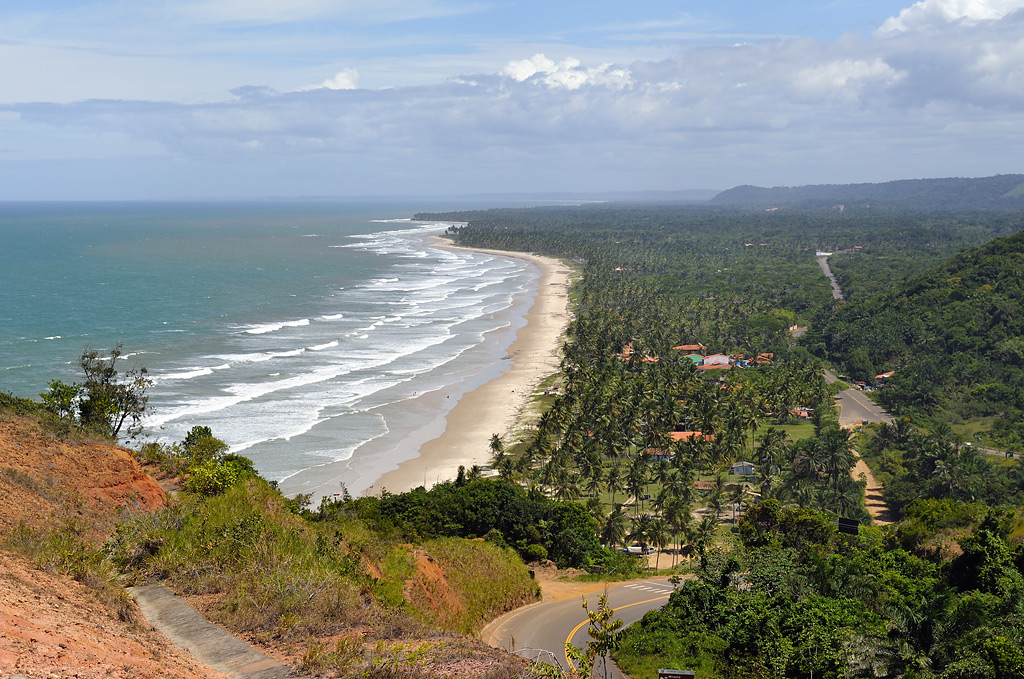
(495, 406)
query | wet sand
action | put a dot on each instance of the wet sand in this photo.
(495, 406)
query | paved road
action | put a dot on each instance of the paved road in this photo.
(540, 631)
(855, 408)
(837, 293)
(998, 453)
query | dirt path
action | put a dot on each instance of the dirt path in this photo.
(208, 643)
(873, 502)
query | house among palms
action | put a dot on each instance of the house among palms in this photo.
(742, 468)
(657, 455)
(699, 348)
(715, 362)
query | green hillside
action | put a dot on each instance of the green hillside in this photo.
(954, 335)
(1001, 192)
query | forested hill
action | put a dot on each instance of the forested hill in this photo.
(1001, 192)
(954, 335)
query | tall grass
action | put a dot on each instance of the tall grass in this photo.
(64, 550)
(485, 579)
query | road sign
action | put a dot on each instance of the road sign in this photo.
(851, 526)
(676, 674)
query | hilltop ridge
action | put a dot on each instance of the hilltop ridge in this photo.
(999, 192)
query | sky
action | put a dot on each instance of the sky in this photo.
(238, 99)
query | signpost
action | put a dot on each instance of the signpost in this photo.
(676, 674)
(850, 526)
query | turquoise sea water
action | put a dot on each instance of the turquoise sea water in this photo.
(306, 335)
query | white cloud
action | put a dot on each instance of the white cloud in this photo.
(929, 14)
(567, 73)
(909, 102)
(345, 79)
(844, 78)
(526, 68)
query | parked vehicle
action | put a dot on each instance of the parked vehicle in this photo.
(638, 549)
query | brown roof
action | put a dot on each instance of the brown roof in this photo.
(689, 347)
(688, 435)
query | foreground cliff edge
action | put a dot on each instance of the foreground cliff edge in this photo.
(80, 518)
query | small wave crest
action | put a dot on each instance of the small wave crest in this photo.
(264, 328)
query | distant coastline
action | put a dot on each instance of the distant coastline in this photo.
(495, 406)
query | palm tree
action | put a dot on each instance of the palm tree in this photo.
(848, 496)
(497, 447)
(772, 447)
(594, 483)
(738, 495)
(677, 516)
(766, 476)
(636, 480)
(641, 530)
(613, 531)
(659, 536)
(613, 479)
(705, 533)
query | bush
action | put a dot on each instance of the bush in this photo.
(534, 553)
(215, 477)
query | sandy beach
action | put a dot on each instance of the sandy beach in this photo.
(495, 406)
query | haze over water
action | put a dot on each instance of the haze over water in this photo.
(325, 341)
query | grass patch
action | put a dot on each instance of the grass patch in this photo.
(486, 580)
(45, 489)
(280, 576)
(63, 550)
(971, 430)
(798, 431)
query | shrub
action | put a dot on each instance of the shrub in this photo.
(213, 477)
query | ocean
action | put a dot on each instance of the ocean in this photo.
(315, 338)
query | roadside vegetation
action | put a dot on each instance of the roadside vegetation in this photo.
(799, 599)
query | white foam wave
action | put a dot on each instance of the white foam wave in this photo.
(258, 357)
(274, 327)
(330, 317)
(185, 375)
(321, 347)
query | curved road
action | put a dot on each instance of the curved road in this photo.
(540, 631)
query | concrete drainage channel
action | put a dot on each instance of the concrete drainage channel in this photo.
(180, 623)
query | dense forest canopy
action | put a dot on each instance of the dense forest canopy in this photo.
(954, 335)
(738, 278)
(938, 594)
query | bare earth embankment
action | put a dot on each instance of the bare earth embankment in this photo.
(50, 623)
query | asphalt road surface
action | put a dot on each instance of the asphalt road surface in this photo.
(856, 408)
(540, 631)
